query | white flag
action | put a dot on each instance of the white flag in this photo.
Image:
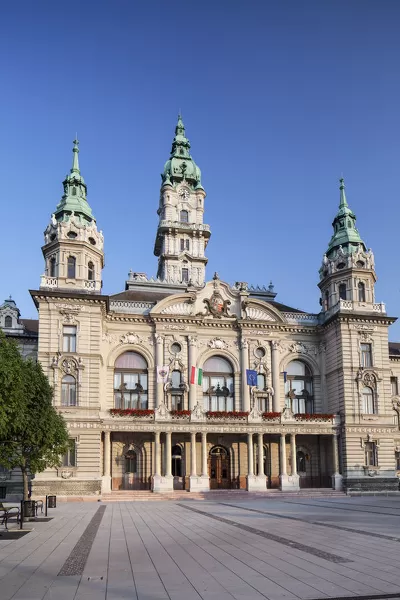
(162, 374)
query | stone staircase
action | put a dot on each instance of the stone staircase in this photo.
(216, 495)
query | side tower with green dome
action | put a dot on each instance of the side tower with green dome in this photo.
(347, 274)
(73, 248)
(182, 236)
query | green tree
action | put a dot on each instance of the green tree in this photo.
(34, 435)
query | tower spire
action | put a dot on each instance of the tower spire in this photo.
(345, 232)
(75, 190)
(343, 200)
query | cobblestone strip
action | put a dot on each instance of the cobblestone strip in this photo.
(275, 538)
(382, 536)
(76, 561)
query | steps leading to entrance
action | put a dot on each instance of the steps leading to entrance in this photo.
(215, 495)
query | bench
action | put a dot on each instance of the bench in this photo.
(7, 513)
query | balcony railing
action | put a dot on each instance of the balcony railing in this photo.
(164, 224)
(48, 282)
(354, 306)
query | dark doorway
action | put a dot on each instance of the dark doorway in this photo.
(219, 468)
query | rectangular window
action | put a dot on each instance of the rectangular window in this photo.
(69, 458)
(176, 402)
(371, 454)
(366, 355)
(182, 245)
(3, 492)
(397, 457)
(185, 275)
(187, 244)
(395, 386)
(69, 339)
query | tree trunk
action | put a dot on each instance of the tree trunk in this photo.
(25, 482)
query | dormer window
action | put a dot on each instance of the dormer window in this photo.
(184, 216)
(71, 235)
(71, 267)
(8, 321)
(74, 191)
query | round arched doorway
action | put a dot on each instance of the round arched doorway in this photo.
(219, 468)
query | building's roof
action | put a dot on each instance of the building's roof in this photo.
(140, 296)
(284, 308)
(394, 348)
(31, 326)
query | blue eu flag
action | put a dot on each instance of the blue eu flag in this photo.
(251, 377)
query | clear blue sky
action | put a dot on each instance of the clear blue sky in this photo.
(279, 98)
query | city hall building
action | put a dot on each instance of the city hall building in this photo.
(154, 381)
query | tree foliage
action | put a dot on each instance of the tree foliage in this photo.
(33, 434)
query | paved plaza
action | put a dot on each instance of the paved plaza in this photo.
(244, 549)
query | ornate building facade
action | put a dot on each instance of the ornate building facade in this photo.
(153, 381)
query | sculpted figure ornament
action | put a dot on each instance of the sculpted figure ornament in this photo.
(217, 344)
(198, 413)
(130, 338)
(161, 413)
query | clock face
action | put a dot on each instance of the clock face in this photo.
(184, 193)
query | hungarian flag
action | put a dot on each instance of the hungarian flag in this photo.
(196, 376)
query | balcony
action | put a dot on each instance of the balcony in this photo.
(357, 307)
(48, 282)
(185, 226)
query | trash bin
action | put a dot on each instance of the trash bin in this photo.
(51, 501)
(29, 508)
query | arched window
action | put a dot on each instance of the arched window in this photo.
(218, 390)
(299, 387)
(52, 267)
(368, 401)
(301, 462)
(343, 291)
(71, 267)
(90, 268)
(8, 321)
(361, 292)
(176, 461)
(130, 381)
(184, 216)
(68, 391)
(131, 462)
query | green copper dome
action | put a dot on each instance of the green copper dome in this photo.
(345, 232)
(75, 190)
(181, 165)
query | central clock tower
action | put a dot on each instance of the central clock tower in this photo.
(182, 236)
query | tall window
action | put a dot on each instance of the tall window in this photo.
(69, 338)
(52, 267)
(184, 216)
(176, 391)
(397, 459)
(368, 401)
(69, 458)
(299, 387)
(8, 321)
(394, 383)
(71, 267)
(185, 275)
(218, 390)
(301, 462)
(326, 300)
(261, 393)
(371, 454)
(361, 292)
(366, 355)
(342, 291)
(68, 391)
(130, 381)
(182, 244)
(90, 271)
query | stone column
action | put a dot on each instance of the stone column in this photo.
(159, 363)
(260, 454)
(204, 465)
(193, 465)
(337, 479)
(160, 483)
(168, 454)
(106, 479)
(288, 482)
(244, 354)
(276, 380)
(250, 455)
(157, 454)
(293, 453)
(192, 363)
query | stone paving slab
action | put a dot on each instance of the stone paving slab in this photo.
(280, 549)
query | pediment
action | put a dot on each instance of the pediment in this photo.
(257, 310)
(176, 305)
